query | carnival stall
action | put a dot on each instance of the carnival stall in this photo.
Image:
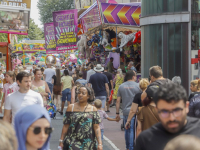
(107, 28)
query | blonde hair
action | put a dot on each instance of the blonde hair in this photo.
(8, 139)
(143, 84)
(196, 83)
(97, 103)
(183, 142)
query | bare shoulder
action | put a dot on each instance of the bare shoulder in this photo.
(94, 108)
(69, 108)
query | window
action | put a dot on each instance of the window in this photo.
(151, 7)
(166, 45)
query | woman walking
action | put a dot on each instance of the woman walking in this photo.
(33, 128)
(10, 87)
(66, 86)
(81, 124)
(118, 80)
(40, 86)
(57, 89)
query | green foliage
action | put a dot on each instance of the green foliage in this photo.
(34, 33)
(47, 7)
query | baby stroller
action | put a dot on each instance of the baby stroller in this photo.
(51, 108)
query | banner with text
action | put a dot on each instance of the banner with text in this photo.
(91, 19)
(65, 28)
(50, 41)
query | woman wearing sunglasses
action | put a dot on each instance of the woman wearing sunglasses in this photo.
(33, 129)
(81, 124)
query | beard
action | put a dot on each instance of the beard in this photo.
(180, 125)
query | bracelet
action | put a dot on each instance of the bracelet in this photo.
(100, 144)
(60, 140)
(117, 113)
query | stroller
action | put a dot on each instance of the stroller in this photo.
(51, 108)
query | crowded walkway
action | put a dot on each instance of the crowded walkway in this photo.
(104, 110)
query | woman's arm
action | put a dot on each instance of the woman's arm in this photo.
(2, 102)
(73, 94)
(139, 128)
(47, 90)
(132, 112)
(61, 88)
(72, 82)
(98, 135)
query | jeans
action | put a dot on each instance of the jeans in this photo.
(50, 85)
(66, 93)
(102, 131)
(103, 100)
(130, 133)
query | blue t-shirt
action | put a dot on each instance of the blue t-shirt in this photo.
(98, 81)
(82, 81)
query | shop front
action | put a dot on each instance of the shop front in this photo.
(165, 27)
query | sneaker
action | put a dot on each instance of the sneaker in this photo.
(107, 111)
(61, 113)
(112, 105)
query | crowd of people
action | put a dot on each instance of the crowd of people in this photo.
(157, 113)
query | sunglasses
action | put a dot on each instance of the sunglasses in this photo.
(37, 130)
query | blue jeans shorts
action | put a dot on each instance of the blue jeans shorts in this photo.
(66, 93)
(103, 100)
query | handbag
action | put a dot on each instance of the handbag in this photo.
(111, 95)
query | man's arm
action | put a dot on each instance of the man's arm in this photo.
(107, 89)
(132, 112)
(111, 82)
(7, 115)
(117, 107)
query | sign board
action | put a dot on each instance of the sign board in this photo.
(21, 4)
(121, 14)
(91, 19)
(50, 38)
(65, 28)
(14, 16)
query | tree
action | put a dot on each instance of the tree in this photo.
(47, 7)
(34, 33)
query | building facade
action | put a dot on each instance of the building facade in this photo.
(166, 38)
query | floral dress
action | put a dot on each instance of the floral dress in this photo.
(81, 134)
(119, 81)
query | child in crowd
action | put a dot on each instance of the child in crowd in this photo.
(9, 87)
(1, 83)
(98, 104)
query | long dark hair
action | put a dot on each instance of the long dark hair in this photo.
(58, 77)
(66, 72)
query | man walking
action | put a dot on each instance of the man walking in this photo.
(172, 105)
(48, 74)
(110, 84)
(157, 79)
(90, 72)
(110, 65)
(99, 83)
(21, 98)
(131, 66)
(127, 92)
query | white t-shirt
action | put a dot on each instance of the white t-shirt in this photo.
(17, 100)
(49, 73)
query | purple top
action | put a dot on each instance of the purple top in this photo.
(102, 116)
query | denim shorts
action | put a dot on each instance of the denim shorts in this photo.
(66, 94)
(103, 100)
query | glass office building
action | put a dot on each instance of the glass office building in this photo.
(166, 37)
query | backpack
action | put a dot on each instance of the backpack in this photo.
(194, 107)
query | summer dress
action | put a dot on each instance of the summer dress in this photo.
(40, 89)
(81, 134)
